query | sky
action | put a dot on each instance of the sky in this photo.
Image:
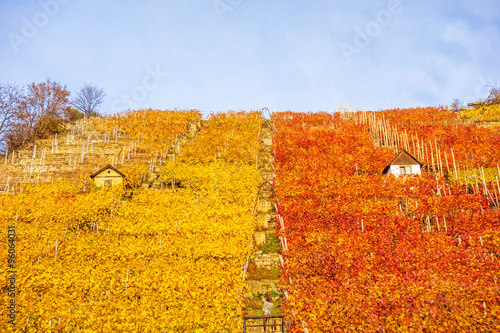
(220, 55)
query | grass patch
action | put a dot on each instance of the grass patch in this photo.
(272, 244)
(257, 273)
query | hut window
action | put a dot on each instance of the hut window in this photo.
(108, 182)
(405, 170)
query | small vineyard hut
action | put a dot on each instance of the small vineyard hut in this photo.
(403, 164)
(107, 176)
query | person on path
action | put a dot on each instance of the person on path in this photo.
(267, 307)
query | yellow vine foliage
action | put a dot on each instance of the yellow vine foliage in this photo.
(134, 176)
(168, 261)
(230, 136)
(483, 113)
(155, 129)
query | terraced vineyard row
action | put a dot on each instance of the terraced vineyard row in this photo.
(137, 139)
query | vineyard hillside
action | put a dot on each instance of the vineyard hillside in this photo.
(368, 252)
(129, 258)
(221, 218)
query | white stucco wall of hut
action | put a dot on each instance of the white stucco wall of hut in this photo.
(415, 169)
(396, 169)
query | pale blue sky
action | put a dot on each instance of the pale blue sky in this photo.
(219, 55)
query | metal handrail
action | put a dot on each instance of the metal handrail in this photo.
(265, 323)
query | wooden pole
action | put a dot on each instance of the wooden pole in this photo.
(408, 142)
(440, 163)
(484, 181)
(447, 165)
(399, 142)
(382, 129)
(126, 284)
(495, 190)
(465, 180)
(432, 159)
(426, 152)
(387, 134)
(422, 151)
(475, 179)
(498, 186)
(454, 164)
(436, 147)
(418, 147)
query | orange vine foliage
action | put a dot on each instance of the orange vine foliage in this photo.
(366, 252)
(472, 144)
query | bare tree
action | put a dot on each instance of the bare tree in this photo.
(494, 97)
(40, 113)
(457, 104)
(10, 101)
(88, 99)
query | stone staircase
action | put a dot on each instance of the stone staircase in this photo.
(264, 272)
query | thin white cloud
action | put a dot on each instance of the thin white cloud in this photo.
(472, 41)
